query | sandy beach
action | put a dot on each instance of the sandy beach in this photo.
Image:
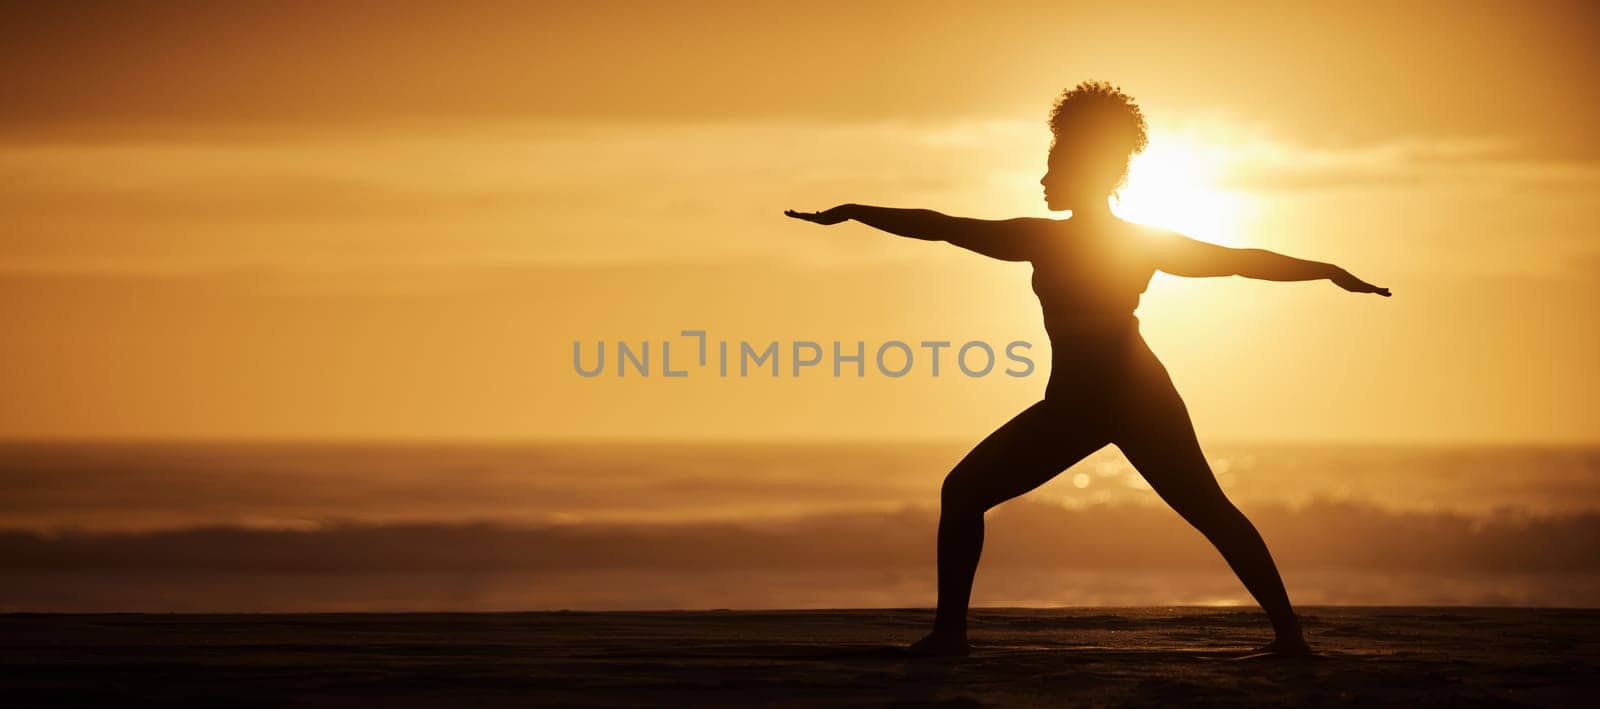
(1122, 656)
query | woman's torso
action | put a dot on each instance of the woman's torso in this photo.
(1089, 280)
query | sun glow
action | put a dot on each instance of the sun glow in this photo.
(1173, 184)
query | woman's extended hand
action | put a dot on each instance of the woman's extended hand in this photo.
(824, 217)
(1345, 280)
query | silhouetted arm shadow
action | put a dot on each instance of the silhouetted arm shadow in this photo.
(1004, 239)
(1180, 255)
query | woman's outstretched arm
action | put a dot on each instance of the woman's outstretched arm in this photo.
(1182, 256)
(1005, 239)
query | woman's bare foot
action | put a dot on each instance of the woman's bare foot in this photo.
(938, 644)
(1286, 647)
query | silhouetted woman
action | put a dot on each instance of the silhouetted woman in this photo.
(1105, 385)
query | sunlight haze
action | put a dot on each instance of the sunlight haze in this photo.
(386, 221)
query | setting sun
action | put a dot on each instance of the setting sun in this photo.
(1173, 185)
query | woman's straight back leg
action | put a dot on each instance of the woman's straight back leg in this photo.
(1157, 436)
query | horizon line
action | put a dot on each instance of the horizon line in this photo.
(536, 440)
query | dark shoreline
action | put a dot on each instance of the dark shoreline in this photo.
(1103, 656)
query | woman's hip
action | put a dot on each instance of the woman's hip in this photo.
(1131, 381)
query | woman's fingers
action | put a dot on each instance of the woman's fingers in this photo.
(824, 218)
(1366, 287)
(1356, 285)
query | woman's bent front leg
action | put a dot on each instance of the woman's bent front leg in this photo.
(1022, 454)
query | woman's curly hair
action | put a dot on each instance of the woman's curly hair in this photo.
(1102, 109)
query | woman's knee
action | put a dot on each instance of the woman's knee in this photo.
(961, 493)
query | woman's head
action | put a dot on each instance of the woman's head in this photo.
(1097, 129)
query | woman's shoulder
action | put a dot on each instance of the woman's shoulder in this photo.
(1118, 234)
(1119, 231)
(1149, 237)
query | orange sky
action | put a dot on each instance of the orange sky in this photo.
(392, 220)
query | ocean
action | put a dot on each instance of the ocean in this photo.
(309, 527)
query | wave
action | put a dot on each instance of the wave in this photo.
(1088, 553)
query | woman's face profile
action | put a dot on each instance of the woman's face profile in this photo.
(1055, 182)
(1080, 170)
